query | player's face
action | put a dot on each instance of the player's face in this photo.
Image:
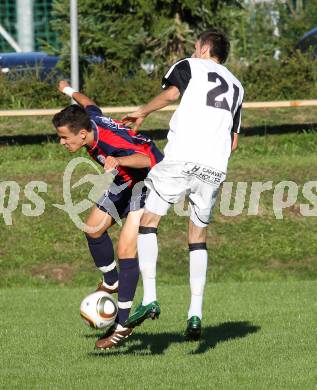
(72, 142)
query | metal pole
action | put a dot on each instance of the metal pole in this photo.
(9, 39)
(74, 45)
(25, 24)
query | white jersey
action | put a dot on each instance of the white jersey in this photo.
(210, 109)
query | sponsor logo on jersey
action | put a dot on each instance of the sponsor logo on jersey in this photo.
(206, 174)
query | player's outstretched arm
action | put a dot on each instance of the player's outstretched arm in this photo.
(80, 98)
(165, 98)
(136, 160)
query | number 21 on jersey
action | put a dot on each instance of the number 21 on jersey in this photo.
(219, 90)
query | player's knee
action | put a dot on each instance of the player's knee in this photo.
(91, 233)
(94, 230)
(126, 250)
(149, 219)
(196, 233)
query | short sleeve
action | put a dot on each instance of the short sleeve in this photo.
(178, 75)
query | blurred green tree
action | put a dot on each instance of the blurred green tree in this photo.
(132, 33)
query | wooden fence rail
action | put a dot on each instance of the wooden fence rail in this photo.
(126, 109)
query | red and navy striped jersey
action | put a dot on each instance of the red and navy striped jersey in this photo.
(112, 138)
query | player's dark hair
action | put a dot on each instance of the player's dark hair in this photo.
(218, 42)
(74, 117)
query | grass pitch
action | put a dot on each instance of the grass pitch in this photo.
(49, 249)
(256, 336)
(260, 334)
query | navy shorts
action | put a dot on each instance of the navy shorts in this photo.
(118, 203)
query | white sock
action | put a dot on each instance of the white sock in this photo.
(148, 252)
(198, 260)
(120, 327)
(111, 287)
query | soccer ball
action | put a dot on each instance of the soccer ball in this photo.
(99, 310)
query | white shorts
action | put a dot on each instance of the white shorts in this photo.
(171, 181)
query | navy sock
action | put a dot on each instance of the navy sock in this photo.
(128, 280)
(101, 250)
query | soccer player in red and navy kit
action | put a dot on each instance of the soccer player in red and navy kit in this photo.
(114, 146)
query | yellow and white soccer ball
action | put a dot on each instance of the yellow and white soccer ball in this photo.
(99, 310)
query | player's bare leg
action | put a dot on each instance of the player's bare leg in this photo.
(198, 259)
(128, 279)
(196, 234)
(101, 248)
(148, 253)
(127, 244)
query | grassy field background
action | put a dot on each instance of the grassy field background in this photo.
(256, 336)
(49, 249)
(260, 305)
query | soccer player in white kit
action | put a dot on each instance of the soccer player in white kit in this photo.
(203, 133)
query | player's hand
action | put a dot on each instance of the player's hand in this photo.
(135, 117)
(111, 163)
(63, 84)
